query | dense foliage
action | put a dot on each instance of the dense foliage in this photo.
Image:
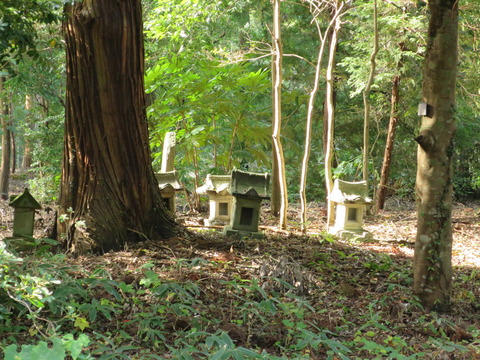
(208, 79)
(326, 300)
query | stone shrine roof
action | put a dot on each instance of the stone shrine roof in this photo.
(218, 184)
(249, 184)
(25, 201)
(169, 181)
(345, 192)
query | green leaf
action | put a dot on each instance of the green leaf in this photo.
(75, 347)
(81, 323)
(37, 352)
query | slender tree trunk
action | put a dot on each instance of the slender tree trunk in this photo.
(27, 151)
(308, 126)
(330, 123)
(196, 197)
(232, 145)
(14, 152)
(433, 246)
(215, 162)
(366, 94)
(387, 157)
(108, 189)
(277, 117)
(325, 117)
(6, 145)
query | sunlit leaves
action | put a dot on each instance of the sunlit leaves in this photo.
(212, 105)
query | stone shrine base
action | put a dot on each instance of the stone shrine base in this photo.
(351, 234)
(229, 231)
(215, 222)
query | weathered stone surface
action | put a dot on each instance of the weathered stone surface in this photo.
(169, 185)
(168, 154)
(350, 199)
(24, 214)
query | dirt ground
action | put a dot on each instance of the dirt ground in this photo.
(333, 275)
(393, 229)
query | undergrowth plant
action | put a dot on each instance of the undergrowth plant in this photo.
(200, 309)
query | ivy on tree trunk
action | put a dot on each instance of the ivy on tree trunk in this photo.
(433, 246)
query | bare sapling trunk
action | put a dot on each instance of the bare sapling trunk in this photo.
(310, 111)
(330, 121)
(6, 144)
(432, 269)
(387, 157)
(277, 116)
(366, 94)
(27, 150)
(14, 152)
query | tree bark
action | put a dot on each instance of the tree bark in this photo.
(108, 192)
(387, 156)
(13, 148)
(6, 146)
(27, 151)
(366, 94)
(310, 110)
(279, 161)
(433, 247)
(330, 123)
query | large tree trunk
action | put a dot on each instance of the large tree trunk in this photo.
(433, 246)
(6, 146)
(387, 156)
(108, 189)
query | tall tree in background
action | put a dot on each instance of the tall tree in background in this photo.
(6, 143)
(387, 157)
(329, 121)
(279, 181)
(27, 152)
(108, 189)
(433, 246)
(366, 94)
(316, 9)
(17, 38)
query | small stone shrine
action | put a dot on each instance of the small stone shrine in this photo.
(24, 214)
(169, 185)
(248, 191)
(350, 199)
(217, 188)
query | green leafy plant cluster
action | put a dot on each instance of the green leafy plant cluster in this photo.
(193, 309)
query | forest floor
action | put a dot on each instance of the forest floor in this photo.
(286, 296)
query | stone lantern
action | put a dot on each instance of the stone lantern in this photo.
(217, 188)
(350, 199)
(169, 185)
(24, 206)
(248, 191)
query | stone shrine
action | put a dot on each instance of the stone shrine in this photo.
(169, 185)
(24, 214)
(217, 188)
(248, 191)
(350, 199)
